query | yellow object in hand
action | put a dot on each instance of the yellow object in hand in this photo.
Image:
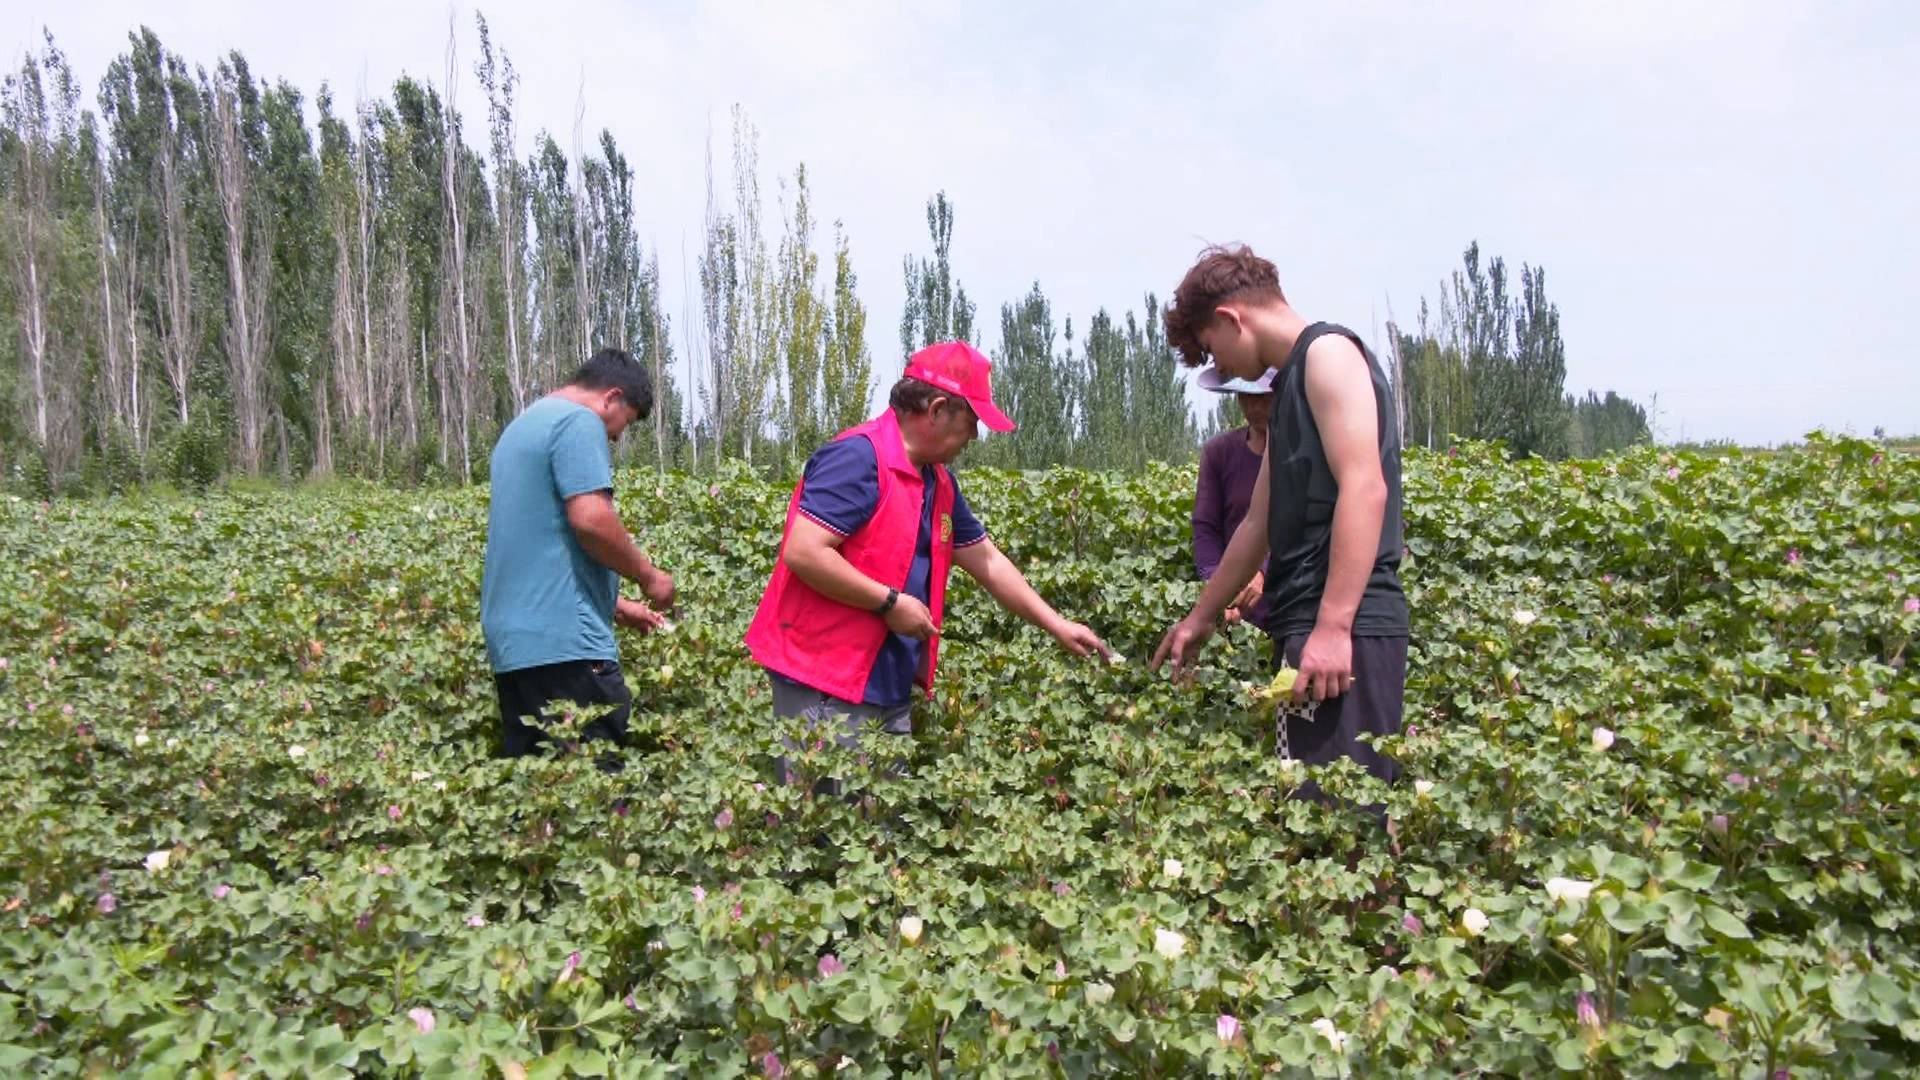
(1280, 688)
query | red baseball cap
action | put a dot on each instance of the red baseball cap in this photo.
(959, 368)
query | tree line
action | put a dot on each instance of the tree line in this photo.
(200, 282)
(1490, 365)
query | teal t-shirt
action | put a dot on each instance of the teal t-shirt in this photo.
(543, 600)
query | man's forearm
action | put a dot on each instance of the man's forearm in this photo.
(1357, 515)
(1011, 590)
(608, 543)
(828, 573)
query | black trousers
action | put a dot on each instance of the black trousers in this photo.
(530, 693)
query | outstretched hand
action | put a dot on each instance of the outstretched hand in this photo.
(1080, 640)
(634, 615)
(1181, 644)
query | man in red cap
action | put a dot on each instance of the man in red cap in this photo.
(850, 621)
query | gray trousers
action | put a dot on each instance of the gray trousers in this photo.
(845, 719)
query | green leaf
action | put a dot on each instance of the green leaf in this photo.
(1724, 922)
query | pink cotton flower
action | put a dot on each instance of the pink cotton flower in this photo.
(572, 965)
(1738, 780)
(1412, 925)
(1718, 824)
(423, 1020)
(830, 966)
(221, 890)
(738, 912)
(1912, 605)
(723, 820)
(699, 895)
(383, 870)
(393, 812)
(1673, 473)
(476, 921)
(106, 903)
(1061, 888)
(770, 1066)
(1584, 1012)
(631, 1002)
(1227, 1027)
(1793, 556)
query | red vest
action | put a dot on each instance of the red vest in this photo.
(831, 646)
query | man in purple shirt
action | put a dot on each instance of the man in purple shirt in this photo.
(1229, 465)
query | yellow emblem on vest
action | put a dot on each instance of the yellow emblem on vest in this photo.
(946, 528)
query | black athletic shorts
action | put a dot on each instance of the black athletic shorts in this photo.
(1372, 705)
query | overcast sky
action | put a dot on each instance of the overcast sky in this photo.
(1722, 194)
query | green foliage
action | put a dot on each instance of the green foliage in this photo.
(1492, 367)
(937, 308)
(194, 455)
(1603, 425)
(847, 368)
(255, 824)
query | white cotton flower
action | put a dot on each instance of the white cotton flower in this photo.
(420, 776)
(1475, 921)
(172, 743)
(1172, 868)
(1332, 1034)
(1561, 889)
(911, 927)
(1524, 617)
(1602, 738)
(296, 751)
(1169, 943)
(439, 785)
(140, 738)
(1567, 941)
(1099, 993)
(1115, 658)
(157, 860)
(1423, 788)
(1288, 764)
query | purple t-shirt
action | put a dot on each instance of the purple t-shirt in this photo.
(840, 491)
(1228, 471)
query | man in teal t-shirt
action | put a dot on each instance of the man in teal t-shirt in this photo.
(556, 551)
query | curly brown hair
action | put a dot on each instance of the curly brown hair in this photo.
(1224, 272)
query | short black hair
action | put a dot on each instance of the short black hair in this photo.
(616, 369)
(913, 397)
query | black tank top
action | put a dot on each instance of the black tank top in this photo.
(1300, 501)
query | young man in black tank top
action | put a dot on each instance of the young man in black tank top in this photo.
(1326, 506)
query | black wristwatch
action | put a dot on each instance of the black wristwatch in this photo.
(887, 605)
